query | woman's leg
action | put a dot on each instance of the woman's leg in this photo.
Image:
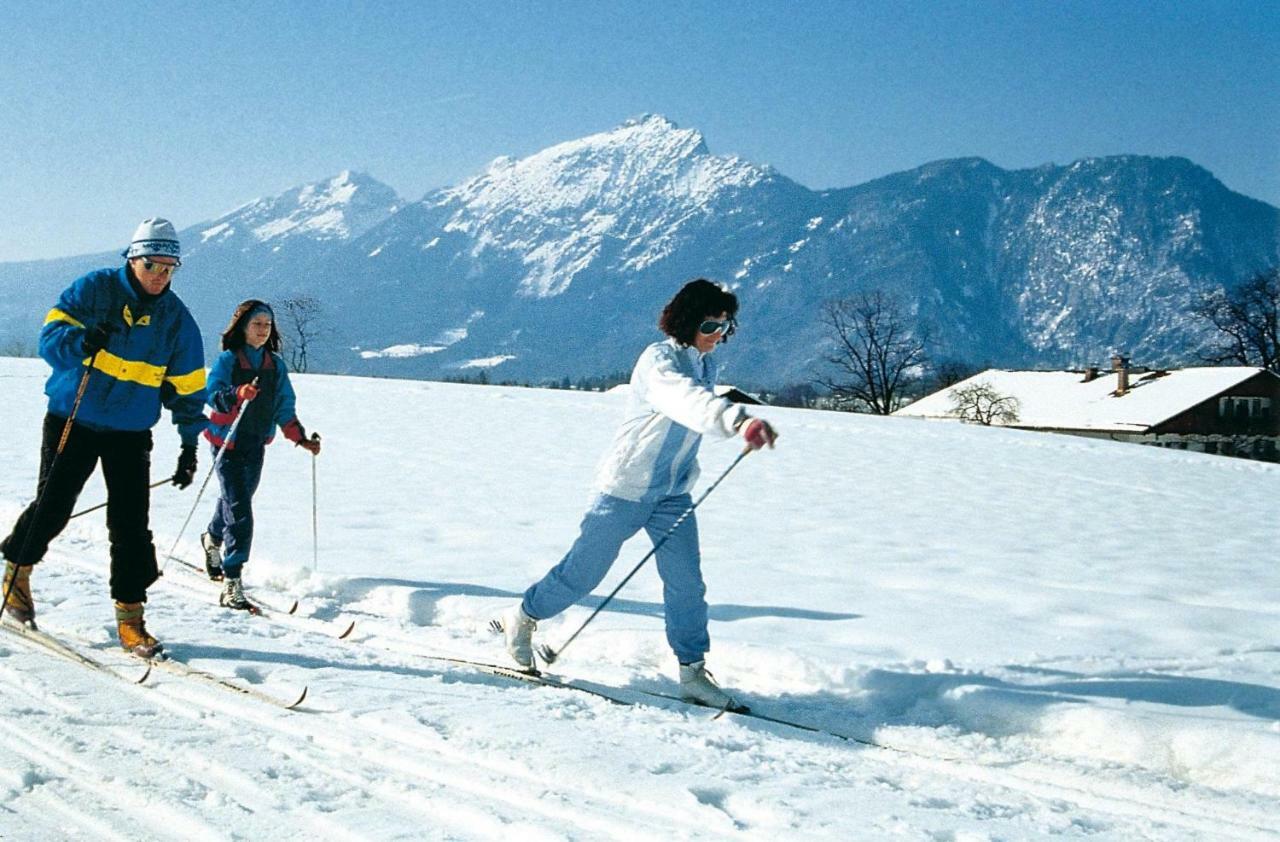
(680, 566)
(605, 528)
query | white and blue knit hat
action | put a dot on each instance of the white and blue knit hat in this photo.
(154, 236)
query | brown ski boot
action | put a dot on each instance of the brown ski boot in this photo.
(133, 631)
(17, 584)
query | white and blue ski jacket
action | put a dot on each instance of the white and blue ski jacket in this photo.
(672, 404)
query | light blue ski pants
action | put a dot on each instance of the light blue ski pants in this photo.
(607, 525)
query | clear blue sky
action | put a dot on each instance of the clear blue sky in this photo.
(110, 112)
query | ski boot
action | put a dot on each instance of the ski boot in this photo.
(233, 597)
(517, 629)
(133, 631)
(212, 557)
(17, 584)
(699, 686)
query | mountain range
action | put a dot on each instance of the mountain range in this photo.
(556, 265)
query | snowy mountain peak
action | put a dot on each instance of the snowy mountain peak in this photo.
(644, 154)
(337, 208)
(642, 179)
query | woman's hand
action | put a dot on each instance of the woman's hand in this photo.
(757, 433)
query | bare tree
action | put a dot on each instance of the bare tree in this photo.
(880, 351)
(300, 327)
(1248, 322)
(980, 403)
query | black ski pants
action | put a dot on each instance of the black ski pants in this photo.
(126, 468)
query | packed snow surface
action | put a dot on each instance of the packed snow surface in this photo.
(1048, 637)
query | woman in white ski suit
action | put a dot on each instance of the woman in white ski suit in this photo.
(644, 482)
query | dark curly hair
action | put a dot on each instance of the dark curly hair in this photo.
(233, 336)
(695, 301)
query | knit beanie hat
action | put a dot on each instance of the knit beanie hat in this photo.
(154, 236)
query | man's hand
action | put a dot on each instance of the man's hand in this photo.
(186, 472)
(97, 337)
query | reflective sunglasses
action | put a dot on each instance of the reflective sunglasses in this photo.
(159, 268)
(727, 327)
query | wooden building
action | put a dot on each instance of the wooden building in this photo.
(1231, 410)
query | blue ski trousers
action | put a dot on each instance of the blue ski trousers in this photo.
(605, 528)
(232, 526)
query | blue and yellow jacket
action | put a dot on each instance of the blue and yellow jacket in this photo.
(154, 357)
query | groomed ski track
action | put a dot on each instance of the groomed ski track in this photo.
(177, 759)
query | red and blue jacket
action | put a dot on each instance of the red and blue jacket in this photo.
(273, 407)
(154, 358)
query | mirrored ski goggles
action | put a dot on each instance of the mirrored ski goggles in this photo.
(727, 327)
(160, 268)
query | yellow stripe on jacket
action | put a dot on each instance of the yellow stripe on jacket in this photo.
(56, 315)
(187, 384)
(130, 371)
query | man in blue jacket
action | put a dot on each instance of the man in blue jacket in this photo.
(121, 344)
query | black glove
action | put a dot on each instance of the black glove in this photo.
(96, 337)
(186, 472)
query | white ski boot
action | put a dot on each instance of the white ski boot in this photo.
(212, 557)
(233, 597)
(698, 686)
(517, 629)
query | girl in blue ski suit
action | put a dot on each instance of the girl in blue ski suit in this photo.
(644, 483)
(249, 389)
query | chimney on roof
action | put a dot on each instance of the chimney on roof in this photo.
(1120, 365)
(1090, 374)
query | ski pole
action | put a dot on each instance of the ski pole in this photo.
(548, 654)
(156, 484)
(315, 530)
(53, 463)
(217, 457)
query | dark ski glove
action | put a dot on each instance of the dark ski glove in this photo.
(186, 472)
(96, 337)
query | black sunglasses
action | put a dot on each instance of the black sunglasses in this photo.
(727, 327)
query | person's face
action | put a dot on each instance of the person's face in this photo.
(153, 273)
(258, 331)
(706, 342)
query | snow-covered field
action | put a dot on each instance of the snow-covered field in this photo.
(1053, 637)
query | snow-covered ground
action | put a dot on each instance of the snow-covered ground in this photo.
(1054, 637)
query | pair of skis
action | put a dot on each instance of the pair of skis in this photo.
(288, 617)
(60, 646)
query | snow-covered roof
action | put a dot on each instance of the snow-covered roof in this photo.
(1062, 400)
